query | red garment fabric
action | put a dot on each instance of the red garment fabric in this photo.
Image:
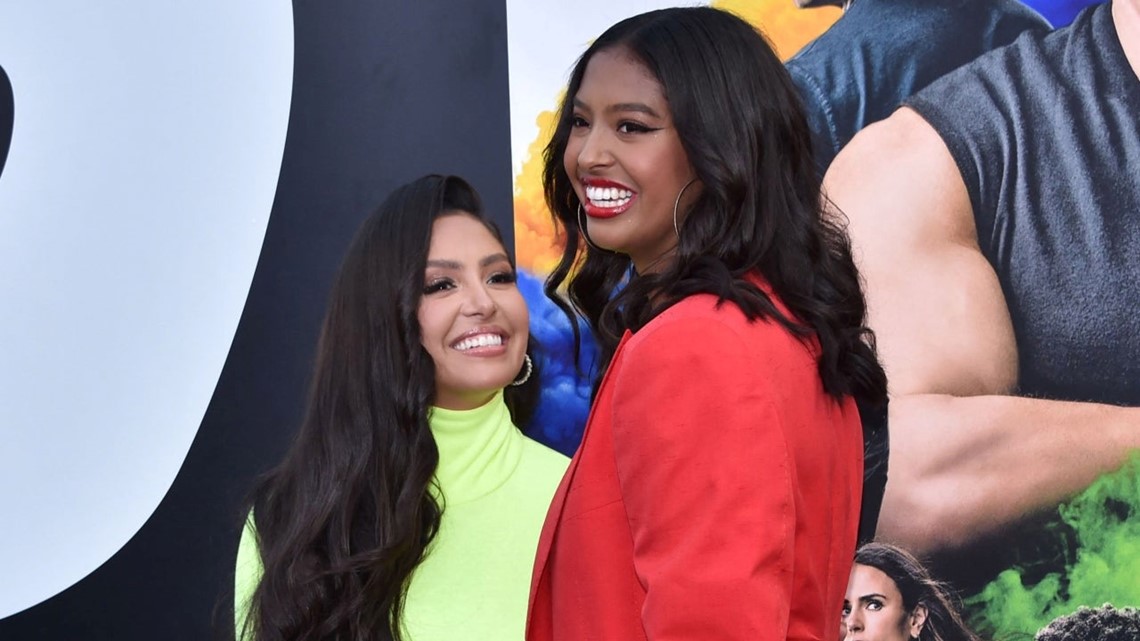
(715, 494)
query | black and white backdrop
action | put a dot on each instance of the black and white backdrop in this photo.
(181, 182)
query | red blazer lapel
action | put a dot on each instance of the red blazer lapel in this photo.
(554, 514)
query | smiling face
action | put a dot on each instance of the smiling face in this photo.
(473, 320)
(873, 609)
(625, 160)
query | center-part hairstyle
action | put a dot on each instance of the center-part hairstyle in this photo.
(347, 516)
(743, 128)
(943, 619)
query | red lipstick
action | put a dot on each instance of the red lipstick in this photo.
(613, 206)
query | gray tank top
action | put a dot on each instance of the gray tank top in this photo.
(1045, 133)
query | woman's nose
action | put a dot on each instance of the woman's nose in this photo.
(478, 302)
(594, 151)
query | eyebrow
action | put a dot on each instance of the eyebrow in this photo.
(873, 595)
(456, 265)
(638, 107)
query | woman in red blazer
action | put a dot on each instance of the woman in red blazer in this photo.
(716, 491)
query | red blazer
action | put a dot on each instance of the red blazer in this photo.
(715, 494)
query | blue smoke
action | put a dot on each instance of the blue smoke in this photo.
(565, 403)
(1059, 13)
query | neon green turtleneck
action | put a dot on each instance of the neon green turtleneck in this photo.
(496, 486)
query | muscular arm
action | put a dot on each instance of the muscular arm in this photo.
(967, 459)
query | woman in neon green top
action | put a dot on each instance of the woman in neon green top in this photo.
(410, 505)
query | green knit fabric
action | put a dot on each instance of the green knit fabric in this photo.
(495, 485)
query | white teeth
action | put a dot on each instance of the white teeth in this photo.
(482, 340)
(611, 204)
(608, 196)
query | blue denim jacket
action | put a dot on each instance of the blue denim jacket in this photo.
(883, 51)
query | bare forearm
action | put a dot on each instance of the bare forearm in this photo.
(965, 467)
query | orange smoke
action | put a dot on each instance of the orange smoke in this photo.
(537, 248)
(787, 27)
(536, 245)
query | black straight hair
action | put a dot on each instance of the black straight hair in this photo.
(347, 516)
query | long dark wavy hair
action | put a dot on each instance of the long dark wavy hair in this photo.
(344, 520)
(743, 128)
(943, 619)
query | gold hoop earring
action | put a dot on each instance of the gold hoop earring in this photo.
(676, 228)
(585, 236)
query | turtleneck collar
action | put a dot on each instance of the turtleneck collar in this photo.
(478, 450)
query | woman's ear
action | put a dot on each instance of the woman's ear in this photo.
(917, 620)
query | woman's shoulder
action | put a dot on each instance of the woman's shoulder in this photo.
(695, 329)
(691, 311)
(540, 470)
(541, 461)
(704, 323)
(544, 454)
(701, 313)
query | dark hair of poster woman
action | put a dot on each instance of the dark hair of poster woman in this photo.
(892, 597)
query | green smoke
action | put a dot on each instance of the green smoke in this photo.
(1106, 520)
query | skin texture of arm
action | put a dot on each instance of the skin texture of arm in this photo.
(967, 458)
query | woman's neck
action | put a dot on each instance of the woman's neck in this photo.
(478, 448)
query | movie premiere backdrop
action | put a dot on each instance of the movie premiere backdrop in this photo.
(178, 181)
